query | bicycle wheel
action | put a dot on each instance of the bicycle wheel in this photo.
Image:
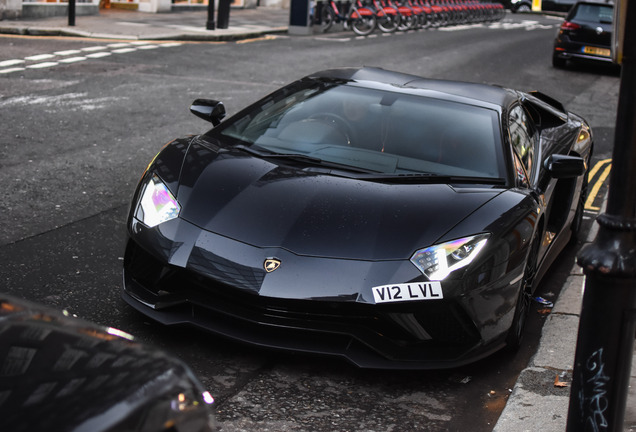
(362, 22)
(387, 23)
(327, 17)
(407, 22)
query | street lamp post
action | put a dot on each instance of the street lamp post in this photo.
(608, 316)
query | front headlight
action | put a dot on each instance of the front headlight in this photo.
(437, 262)
(157, 204)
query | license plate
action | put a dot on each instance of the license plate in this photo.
(408, 292)
(597, 51)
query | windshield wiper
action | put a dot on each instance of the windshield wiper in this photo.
(430, 178)
(293, 156)
(303, 158)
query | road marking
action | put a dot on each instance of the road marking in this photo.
(67, 52)
(94, 48)
(98, 55)
(72, 59)
(124, 50)
(40, 57)
(42, 65)
(17, 69)
(10, 62)
(96, 52)
(589, 203)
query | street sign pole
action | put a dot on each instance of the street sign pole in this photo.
(607, 327)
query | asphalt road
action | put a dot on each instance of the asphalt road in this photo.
(76, 137)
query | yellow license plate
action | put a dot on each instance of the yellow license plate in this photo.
(597, 51)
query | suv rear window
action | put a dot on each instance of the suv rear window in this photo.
(592, 12)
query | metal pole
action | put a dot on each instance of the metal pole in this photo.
(607, 327)
(71, 12)
(209, 25)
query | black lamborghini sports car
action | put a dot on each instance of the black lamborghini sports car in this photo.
(397, 221)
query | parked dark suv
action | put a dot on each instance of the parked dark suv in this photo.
(586, 34)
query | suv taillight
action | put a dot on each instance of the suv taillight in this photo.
(567, 25)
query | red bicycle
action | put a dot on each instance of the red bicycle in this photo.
(361, 20)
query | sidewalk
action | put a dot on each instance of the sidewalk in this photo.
(133, 25)
(535, 403)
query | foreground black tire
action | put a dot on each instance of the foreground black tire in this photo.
(577, 222)
(522, 309)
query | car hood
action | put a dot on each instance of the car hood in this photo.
(312, 213)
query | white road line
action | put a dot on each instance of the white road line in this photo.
(17, 69)
(42, 65)
(11, 62)
(95, 52)
(72, 59)
(67, 52)
(39, 57)
(124, 50)
(94, 48)
(98, 55)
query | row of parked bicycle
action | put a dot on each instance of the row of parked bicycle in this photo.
(364, 16)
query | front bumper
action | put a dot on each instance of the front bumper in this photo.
(233, 296)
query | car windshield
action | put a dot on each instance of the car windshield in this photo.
(593, 12)
(371, 130)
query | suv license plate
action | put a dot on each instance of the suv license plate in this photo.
(597, 51)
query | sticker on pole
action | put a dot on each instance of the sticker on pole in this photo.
(408, 292)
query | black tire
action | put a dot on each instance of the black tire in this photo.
(522, 308)
(363, 25)
(577, 222)
(407, 22)
(327, 17)
(388, 23)
(558, 62)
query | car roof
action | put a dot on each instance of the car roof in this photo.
(477, 94)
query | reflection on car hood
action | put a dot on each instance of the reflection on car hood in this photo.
(268, 205)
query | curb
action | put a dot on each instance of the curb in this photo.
(230, 35)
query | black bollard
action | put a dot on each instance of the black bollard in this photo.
(223, 15)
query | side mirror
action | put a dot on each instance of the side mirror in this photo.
(209, 110)
(562, 166)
